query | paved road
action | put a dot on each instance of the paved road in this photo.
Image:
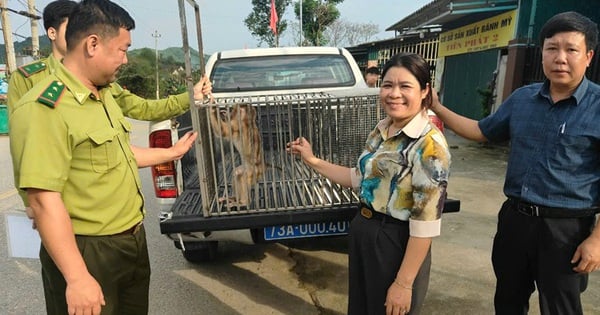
(307, 277)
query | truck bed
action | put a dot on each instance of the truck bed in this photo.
(187, 216)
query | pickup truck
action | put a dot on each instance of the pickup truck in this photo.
(238, 183)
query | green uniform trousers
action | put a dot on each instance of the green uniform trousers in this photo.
(119, 263)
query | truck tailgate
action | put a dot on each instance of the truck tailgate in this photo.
(187, 216)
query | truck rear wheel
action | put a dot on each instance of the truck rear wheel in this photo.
(199, 252)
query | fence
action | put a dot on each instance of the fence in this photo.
(427, 48)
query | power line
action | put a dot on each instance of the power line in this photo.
(18, 35)
(23, 24)
(23, 13)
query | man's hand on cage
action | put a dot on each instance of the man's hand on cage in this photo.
(203, 90)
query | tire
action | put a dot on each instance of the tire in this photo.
(199, 252)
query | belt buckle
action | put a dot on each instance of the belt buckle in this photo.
(532, 210)
(365, 212)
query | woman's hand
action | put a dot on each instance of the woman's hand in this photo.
(302, 147)
(398, 299)
(336, 173)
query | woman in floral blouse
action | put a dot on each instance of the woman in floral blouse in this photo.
(402, 176)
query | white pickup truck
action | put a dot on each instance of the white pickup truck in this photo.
(215, 192)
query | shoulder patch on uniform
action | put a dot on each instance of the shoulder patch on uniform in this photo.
(32, 68)
(52, 94)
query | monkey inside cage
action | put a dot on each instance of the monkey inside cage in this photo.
(242, 158)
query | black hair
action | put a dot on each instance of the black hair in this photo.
(372, 70)
(417, 66)
(101, 17)
(56, 12)
(571, 22)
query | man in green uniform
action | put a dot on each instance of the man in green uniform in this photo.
(71, 152)
(56, 16)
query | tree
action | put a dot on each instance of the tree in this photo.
(344, 33)
(317, 15)
(139, 75)
(259, 19)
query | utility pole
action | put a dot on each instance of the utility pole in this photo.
(301, 32)
(156, 36)
(35, 39)
(11, 62)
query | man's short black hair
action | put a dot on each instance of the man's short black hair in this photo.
(101, 17)
(372, 70)
(56, 12)
(571, 22)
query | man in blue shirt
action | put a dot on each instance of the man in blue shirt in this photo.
(547, 235)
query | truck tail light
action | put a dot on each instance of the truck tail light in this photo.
(163, 175)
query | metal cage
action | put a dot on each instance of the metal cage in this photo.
(336, 127)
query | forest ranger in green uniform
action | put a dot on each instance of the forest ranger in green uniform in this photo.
(71, 152)
(56, 16)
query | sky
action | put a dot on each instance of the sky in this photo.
(222, 21)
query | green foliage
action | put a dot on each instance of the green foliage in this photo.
(138, 84)
(487, 100)
(177, 54)
(148, 55)
(259, 19)
(139, 74)
(176, 83)
(316, 16)
(488, 96)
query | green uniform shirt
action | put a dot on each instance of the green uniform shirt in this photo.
(63, 139)
(132, 105)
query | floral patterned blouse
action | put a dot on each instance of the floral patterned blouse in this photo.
(405, 176)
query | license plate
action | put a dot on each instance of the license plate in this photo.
(280, 232)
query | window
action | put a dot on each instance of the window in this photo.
(281, 73)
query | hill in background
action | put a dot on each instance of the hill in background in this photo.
(173, 52)
(24, 48)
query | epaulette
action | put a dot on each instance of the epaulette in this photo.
(32, 68)
(52, 94)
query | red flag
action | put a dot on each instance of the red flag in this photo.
(274, 18)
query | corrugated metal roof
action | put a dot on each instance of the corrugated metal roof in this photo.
(451, 14)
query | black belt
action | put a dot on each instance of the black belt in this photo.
(372, 214)
(532, 210)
